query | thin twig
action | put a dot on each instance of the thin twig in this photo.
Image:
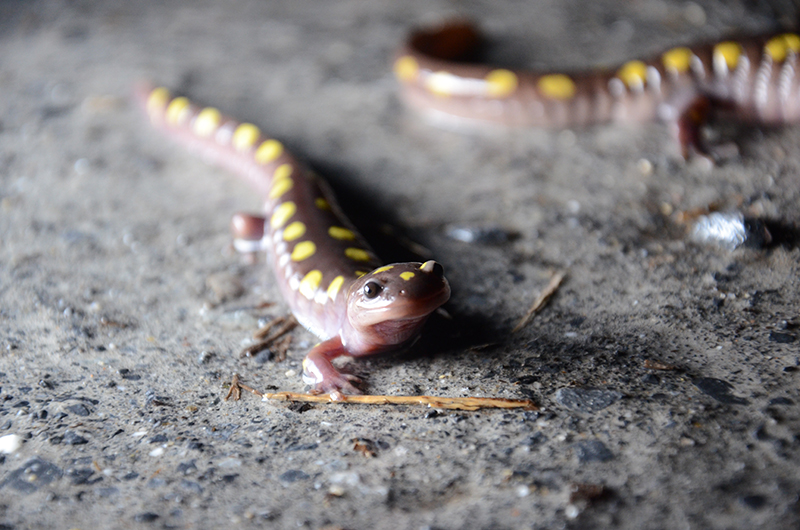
(287, 324)
(541, 300)
(235, 391)
(284, 325)
(465, 403)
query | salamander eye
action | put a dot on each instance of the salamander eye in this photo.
(372, 289)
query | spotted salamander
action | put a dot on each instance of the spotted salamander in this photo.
(755, 80)
(332, 281)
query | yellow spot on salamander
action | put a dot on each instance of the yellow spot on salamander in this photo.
(407, 275)
(268, 151)
(501, 83)
(342, 234)
(322, 204)
(279, 187)
(310, 283)
(778, 47)
(335, 287)
(677, 60)
(157, 100)
(207, 121)
(303, 250)
(383, 269)
(178, 111)
(357, 254)
(556, 86)
(359, 274)
(633, 74)
(283, 171)
(245, 137)
(294, 231)
(792, 41)
(729, 52)
(406, 69)
(281, 214)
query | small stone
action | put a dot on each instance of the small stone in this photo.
(186, 468)
(33, 474)
(106, 492)
(781, 338)
(586, 399)
(293, 475)
(755, 502)
(10, 443)
(79, 475)
(72, 438)
(650, 379)
(146, 517)
(719, 390)
(592, 451)
(336, 490)
(204, 357)
(191, 486)
(79, 409)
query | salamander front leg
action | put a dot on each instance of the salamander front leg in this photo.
(319, 371)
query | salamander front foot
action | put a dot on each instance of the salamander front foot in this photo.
(319, 372)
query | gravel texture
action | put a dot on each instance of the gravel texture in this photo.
(666, 370)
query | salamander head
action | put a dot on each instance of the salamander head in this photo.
(387, 306)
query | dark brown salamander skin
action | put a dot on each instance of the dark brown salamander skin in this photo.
(333, 283)
(756, 80)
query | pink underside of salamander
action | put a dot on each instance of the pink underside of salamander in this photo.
(751, 80)
(329, 277)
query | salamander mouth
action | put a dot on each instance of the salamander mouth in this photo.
(404, 310)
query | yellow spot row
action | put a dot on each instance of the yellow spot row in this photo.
(556, 86)
(633, 74)
(357, 254)
(310, 283)
(303, 250)
(282, 214)
(335, 287)
(281, 183)
(406, 69)
(157, 100)
(728, 53)
(268, 151)
(677, 60)
(245, 137)
(779, 47)
(178, 111)
(294, 231)
(342, 234)
(207, 121)
(501, 83)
